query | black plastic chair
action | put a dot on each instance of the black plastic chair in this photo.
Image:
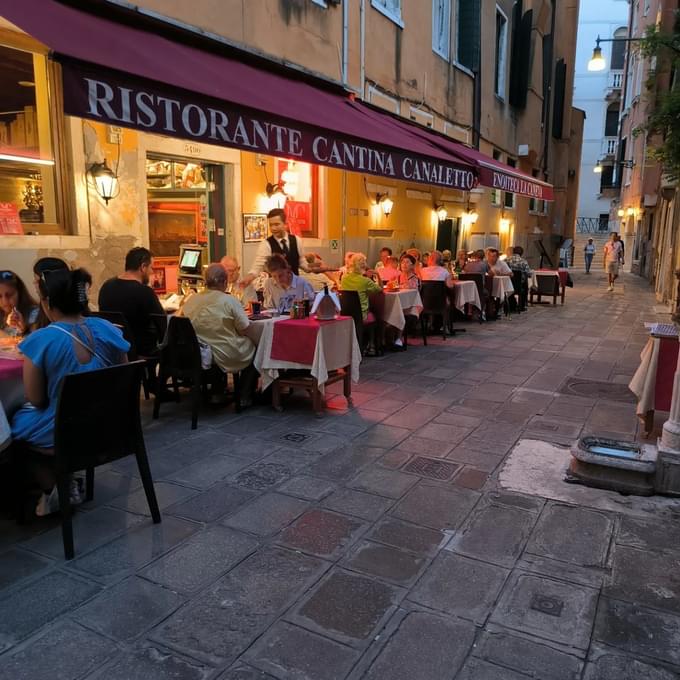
(481, 290)
(435, 297)
(350, 305)
(519, 297)
(180, 362)
(97, 421)
(376, 305)
(546, 285)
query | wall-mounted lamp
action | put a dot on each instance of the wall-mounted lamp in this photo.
(630, 211)
(385, 202)
(469, 217)
(620, 212)
(597, 62)
(504, 224)
(598, 168)
(276, 195)
(290, 179)
(442, 212)
(105, 181)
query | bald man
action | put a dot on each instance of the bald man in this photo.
(241, 289)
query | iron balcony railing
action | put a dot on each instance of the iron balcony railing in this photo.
(591, 225)
(615, 80)
(609, 145)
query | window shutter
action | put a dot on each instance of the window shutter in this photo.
(558, 100)
(468, 33)
(520, 65)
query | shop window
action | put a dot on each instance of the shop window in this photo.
(501, 53)
(390, 8)
(30, 196)
(441, 22)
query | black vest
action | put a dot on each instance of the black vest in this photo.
(293, 256)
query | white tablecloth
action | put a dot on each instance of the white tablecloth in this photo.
(399, 302)
(502, 287)
(336, 347)
(464, 293)
(643, 383)
(534, 277)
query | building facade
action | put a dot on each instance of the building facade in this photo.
(495, 76)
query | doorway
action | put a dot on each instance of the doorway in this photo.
(447, 234)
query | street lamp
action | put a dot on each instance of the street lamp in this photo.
(597, 61)
(598, 168)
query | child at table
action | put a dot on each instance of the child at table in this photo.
(18, 310)
(389, 271)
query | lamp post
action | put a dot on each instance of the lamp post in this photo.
(597, 61)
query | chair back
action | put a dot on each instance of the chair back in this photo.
(118, 319)
(434, 295)
(160, 326)
(479, 282)
(548, 285)
(180, 354)
(350, 305)
(97, 417)
(376, 304)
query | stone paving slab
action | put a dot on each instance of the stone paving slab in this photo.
(222, 622)
(17, 564)
(611, 666)
(267, 514)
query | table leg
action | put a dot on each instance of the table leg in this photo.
(317, 398)
(347, 385)
(562, 292)
(276, 396)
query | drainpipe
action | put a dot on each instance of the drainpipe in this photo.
(344, 213)
(345, 40)
(547, 132)
(362, 46)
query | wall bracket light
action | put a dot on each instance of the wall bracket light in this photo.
(385, 202)
(105, 181)
(442, 212)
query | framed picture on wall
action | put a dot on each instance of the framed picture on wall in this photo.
(158, 281)
(255, 227)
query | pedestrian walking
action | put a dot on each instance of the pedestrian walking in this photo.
(589, 253)
(612, 258)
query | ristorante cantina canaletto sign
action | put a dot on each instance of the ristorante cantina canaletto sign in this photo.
(156, 108)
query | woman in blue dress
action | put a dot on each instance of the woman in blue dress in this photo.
(71, 343)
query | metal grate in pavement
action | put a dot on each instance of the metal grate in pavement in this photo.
(296, 437)
(547, 605)
(431, 467)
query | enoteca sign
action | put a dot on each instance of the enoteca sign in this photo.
(119, 99)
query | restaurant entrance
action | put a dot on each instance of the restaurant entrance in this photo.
(186, 205)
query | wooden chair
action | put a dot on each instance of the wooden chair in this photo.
(97, 421)
(545, 285)
(519, 297)
(435, 297)
(481, 291)
(180, 362)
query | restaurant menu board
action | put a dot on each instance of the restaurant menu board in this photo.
(9, 219)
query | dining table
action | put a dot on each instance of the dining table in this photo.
(399, 304)
(465, 293)
(11, 391)
(318, 346)
(501, 287)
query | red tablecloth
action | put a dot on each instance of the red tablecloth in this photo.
(11, 369)
(665, 373)
(295, 339)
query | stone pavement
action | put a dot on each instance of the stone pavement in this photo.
(376, 543)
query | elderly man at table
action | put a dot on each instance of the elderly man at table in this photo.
(283, 287)
(244, 292)
(221, 323)
(496, 266)
(435, 270)
(385, 255)
(390, 271)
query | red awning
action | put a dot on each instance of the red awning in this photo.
(492, 173)
(121, 75)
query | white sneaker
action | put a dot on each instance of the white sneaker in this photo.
(398, 342)
(48, 505)
(610, 289)
(74, 492)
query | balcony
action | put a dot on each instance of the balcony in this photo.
(615, 80)
(609, 145)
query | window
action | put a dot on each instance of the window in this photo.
(390, 8)
(611, 123)
(321, 3)
(501, 53)
(441, 22)
(603, 222)
(28, 168)
(467, 38)
(607, 178)
(618, 50)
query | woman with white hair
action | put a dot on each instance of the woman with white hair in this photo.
(356, 279)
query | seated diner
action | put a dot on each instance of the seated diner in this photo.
(496, 266)
(390, 270)
(18, 310)
(72, 343)
(407, 272)
(435, 270)
(283, 287)
(357, 279)
(476, 264)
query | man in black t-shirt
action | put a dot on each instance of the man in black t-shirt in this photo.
(130, 295)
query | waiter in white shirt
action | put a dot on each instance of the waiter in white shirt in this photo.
(281, 242)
